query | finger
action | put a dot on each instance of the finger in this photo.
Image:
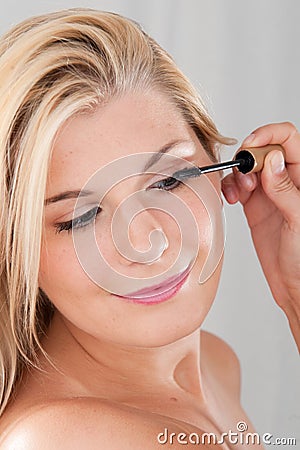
(230, 189)
(238, 187)
(280, 189)
(246, 184)
(247, 181)
(284, 133)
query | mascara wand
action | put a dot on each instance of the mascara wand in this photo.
(247, 160)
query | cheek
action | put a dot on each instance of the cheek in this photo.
(205, 202)
(60, 272)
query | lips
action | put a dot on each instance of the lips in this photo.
(157, 289)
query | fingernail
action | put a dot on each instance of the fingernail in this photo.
(230, 193)
(249, 139)
(277, 162)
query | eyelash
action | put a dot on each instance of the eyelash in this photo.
(79, 222)
(86, 219)
(165, 184)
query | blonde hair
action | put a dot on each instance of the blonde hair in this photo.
(52, 67)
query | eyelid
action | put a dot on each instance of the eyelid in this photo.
(167, 172)
(166, 177)
(78, 221)
(75, 214)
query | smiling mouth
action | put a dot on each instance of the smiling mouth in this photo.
(159, 292)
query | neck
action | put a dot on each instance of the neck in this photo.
(172, 367)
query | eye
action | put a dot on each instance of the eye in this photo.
(167, 184)
(78, 222)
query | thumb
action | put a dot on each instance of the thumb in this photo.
(280, 188)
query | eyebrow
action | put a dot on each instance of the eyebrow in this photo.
(154, 159)
(165, 149)
(66, 196)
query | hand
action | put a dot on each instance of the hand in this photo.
(271, 202)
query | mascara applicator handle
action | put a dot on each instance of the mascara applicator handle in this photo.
(254, 157)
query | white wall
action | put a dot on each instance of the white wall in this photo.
(244, 58)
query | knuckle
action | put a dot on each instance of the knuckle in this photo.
(292, 223)
(284, 184)
(292, 131)
(289, 125)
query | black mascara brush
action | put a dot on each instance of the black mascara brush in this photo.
(246, 160)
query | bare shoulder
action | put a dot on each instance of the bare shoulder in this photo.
(222, 359)
(91, 424)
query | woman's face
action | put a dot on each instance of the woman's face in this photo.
(135, 123)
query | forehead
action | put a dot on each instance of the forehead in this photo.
(134, 123)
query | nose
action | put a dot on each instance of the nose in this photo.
(140, 236)
(143, 229)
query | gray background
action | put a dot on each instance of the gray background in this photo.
(244, 59)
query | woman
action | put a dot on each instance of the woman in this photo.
(92, 367)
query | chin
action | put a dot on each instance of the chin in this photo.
(179, 316)
(156, 325)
